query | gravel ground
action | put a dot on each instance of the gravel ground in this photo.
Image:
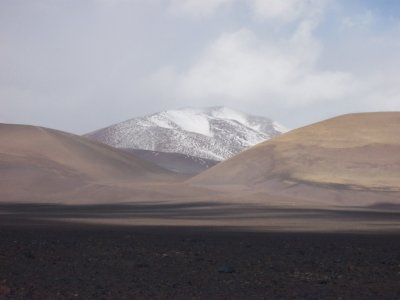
(61, 261)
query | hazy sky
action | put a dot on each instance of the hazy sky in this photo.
(79, 65)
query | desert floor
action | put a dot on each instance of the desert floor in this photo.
(197, 251)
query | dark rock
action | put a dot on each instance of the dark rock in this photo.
(29, 255)
(4, 289)
(226, 269)
(323, 281)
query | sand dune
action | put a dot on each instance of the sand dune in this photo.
(354, 156)
(38, 162)
(352, 160)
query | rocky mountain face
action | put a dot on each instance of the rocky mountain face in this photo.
(214, 133)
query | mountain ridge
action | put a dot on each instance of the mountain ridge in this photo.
(215, 133)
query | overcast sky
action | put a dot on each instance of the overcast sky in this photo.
(80, 65)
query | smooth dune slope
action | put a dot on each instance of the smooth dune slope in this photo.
(38, 162)
(355, 152)
(175, 162)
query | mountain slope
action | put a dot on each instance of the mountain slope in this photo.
(40, 161)
(356, 152)
(175, 162)
(215, 133)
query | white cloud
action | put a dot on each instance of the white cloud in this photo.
(274, 10)
(197, 8)
(296, 69)
(240, 67)
(363, 20)
(288, 10)
(110, 3)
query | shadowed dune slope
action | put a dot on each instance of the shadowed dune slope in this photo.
(35, 160)
(356, 152)
(175, 162)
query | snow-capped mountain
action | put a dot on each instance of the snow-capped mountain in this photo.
(215, 133)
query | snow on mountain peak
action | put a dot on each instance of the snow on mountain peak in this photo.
(190, 120)
(212, 132)
(230, 114)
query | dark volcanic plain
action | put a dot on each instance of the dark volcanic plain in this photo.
(45, 256)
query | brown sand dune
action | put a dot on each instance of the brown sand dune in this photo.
(351, 157)
(38, 163)
(352, 160)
